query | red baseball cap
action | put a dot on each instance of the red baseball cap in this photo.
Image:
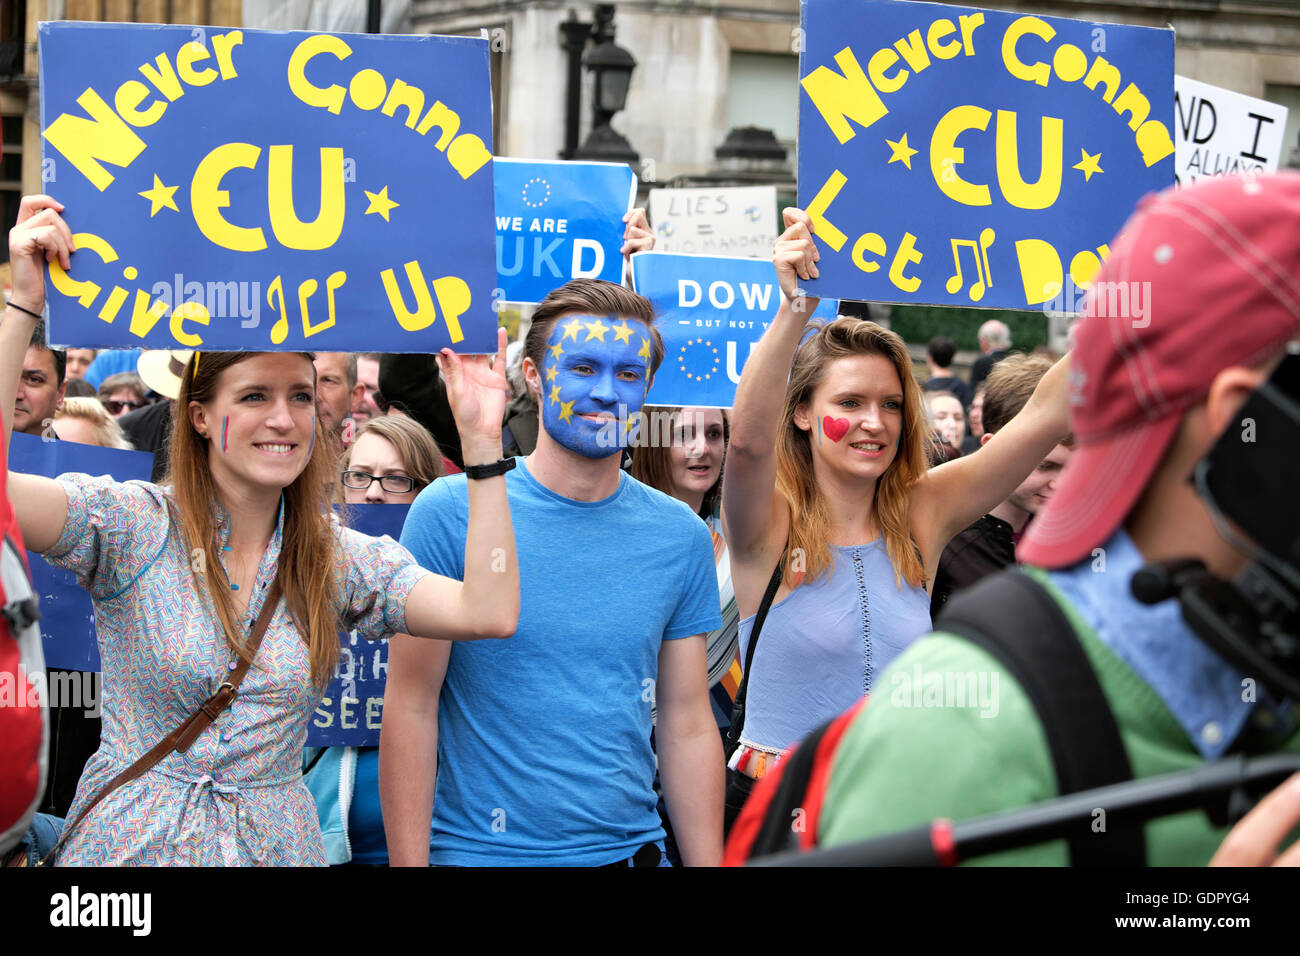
(1200, 278)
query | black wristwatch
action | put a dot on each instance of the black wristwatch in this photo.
(489, 471)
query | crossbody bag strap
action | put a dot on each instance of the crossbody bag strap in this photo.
(738, 708)
(184, 735)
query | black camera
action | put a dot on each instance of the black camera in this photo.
(1251, 482)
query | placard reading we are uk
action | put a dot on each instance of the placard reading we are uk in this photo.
(956, 156)
(242, 189)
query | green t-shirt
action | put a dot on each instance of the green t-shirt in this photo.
(949, 733)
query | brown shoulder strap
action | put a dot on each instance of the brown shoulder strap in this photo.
(183, 736)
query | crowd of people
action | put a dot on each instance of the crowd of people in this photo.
(601, 641)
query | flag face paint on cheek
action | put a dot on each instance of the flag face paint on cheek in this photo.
(225, 429)
(595, 375)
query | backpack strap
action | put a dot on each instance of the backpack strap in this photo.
(1039, 646)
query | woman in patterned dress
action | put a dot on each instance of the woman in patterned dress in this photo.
(179, 572)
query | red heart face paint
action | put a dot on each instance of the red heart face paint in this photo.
(835, 428)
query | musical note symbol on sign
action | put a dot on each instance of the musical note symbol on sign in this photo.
(306, 289)
(984, 278)
(279, 331)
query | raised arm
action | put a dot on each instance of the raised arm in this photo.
(953, 495)
(39, 236)
(486, 603)
(755, 518)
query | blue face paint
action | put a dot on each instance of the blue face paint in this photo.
(597, 367)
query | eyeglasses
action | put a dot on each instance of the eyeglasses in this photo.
(116, 408)
(360, 481)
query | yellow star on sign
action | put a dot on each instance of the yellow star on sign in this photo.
(160, 196)
(550, 374)
(557, 350)
(555, 393)
(622, 331)
(380, 203)
(1088, 165)
(596, 330)
(566, 412)
(644, 351)
(901, 151)
(572, 329)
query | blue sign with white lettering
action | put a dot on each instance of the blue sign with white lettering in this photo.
(349, 713)
(242, 189)
(711, 312)
(965, 157)
(558, 221)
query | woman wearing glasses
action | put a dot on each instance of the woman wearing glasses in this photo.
(390, 462)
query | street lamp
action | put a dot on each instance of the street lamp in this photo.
(612, 67)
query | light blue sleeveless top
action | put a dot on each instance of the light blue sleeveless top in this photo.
(823, 644)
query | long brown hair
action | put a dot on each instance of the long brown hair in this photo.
(310, 573)
(810, 523)
(652, 466)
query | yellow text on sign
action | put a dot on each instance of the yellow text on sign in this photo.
(208, 199)
(146, 311)
(104, 136)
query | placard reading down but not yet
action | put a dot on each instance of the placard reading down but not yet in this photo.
(712, 311)
(244, 189)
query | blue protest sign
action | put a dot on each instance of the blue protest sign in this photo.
(243, 189)
(956, 156)
(67, 616)
(559, 221)
(711, 312)
(350, 711)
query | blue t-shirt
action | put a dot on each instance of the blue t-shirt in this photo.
(365, 817)
(544, 738)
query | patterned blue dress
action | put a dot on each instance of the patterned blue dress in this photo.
(236, 796)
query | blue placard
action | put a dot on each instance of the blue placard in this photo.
(559, 221)
(711, 312)
(245, 189)
(353, 704)
(957, 156)
(67, 616)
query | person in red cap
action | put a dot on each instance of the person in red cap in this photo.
(1192, 312)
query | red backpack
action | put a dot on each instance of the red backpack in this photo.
(22, 672)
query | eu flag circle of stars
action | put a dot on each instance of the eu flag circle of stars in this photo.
(698, 359)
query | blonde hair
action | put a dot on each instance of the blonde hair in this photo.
(810, 523)
(415, 446)
(309, 562)
(108, 433)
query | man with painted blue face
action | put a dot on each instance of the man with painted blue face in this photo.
(538, 753)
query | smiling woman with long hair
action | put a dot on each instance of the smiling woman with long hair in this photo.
(829, 498)
(179, 572)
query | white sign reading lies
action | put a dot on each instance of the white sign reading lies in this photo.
(727, 221)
